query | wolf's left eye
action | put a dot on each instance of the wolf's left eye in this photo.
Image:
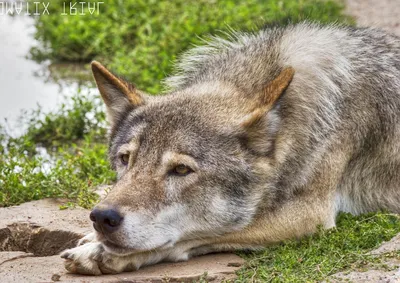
(124, 159)
(181, 170)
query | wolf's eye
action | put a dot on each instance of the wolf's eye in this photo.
(181, 170)
(124, 159)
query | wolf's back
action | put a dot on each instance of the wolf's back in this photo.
(247, 59)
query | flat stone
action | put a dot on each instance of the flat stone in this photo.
(41, 227)
(33, 234)
(390, 246)
(214, 267)
(9, 256)
(370, 276)
(47, 213)
(375, 275)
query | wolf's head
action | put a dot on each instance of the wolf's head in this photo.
(191, 164)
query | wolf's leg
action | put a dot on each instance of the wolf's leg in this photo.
(296, 218)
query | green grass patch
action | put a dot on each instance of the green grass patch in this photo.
(139, 39)
(73, 121)
(315, 258)
(62, 154)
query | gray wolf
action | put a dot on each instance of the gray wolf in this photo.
(259, 138)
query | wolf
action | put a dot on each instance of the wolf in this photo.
(259, 138)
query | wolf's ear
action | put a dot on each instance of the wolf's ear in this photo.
(117, 94)
(262, 123)
(268, 96)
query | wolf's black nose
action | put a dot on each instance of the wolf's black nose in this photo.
(105, 221)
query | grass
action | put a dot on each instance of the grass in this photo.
(315, 258)
(83, 117)
(139, 39)
(63, 153)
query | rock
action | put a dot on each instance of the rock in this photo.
(55, 277)
(390, 274)
(10, 256)
(212, 267)
(32, 235)
(47, 213)
(390, 246)
(370, 276)
(41, 228)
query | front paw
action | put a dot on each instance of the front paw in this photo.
(91, 237)
(89, 259)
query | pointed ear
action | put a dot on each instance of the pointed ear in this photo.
(268, 96)
(117, 94)
(262, 123)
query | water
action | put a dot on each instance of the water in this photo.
(24, 84)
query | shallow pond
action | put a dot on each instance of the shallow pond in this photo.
(24, 84)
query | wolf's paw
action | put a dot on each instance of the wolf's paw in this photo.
(89, 259)
(87, 239)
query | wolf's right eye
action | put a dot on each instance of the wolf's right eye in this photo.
(181, 170)
(124, 159)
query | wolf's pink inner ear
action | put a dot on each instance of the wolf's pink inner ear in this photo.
(269, 96)
(114, 91)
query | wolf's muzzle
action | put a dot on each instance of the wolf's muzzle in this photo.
(105, 221)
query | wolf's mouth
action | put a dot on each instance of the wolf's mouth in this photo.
(113, 245)
(121, 250)
(117, 249)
